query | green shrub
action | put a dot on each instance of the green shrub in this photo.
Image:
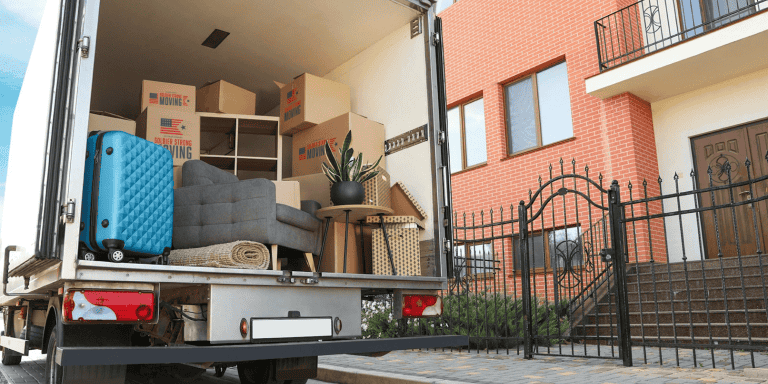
(490, 320)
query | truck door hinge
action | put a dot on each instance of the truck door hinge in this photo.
(84, 44)
(441, 138)
(286, 278)
(68, 211)
(435, 39)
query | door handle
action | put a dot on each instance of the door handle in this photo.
(745, 193)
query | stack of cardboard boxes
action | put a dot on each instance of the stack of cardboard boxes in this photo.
(316, 111)
(313, 111)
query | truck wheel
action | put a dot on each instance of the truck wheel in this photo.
(255, 372)
(53, 371)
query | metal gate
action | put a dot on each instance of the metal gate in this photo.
(545, 276)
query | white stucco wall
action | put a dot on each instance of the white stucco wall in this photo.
(388, 83)
(677, 119)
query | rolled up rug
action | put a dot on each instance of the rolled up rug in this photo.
(237, 254)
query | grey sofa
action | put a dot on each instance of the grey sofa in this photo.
(214, 207)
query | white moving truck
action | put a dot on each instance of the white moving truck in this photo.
(92, 55)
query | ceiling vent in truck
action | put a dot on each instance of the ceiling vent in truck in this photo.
(215, 38)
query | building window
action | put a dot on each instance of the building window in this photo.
(466, 135)
(443, 4)
(538, 109)
(563, 247)
(477, 259)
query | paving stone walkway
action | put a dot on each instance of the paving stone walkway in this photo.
(435, 366)
(493, 367)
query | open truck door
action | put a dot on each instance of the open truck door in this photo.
(44, 182)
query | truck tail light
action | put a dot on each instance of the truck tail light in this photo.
(422, 306)
(115, 306)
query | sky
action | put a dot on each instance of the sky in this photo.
(19, 21)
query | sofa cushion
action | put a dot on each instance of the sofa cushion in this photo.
(198, 172)
(296, 218)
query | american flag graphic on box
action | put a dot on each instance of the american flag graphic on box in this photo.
(171, 126)
(153, 98)
(302, 153)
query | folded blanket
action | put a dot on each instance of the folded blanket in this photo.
(237, 254)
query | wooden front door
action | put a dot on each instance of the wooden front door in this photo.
(720, 160)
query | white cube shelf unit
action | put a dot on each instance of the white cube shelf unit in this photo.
(248, 146)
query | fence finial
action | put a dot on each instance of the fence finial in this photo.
(676, 177)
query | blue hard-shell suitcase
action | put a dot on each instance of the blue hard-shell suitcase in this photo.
(127, 198)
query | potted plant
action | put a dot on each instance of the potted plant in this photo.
(347, 173)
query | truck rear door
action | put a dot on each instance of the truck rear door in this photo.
(44, 183)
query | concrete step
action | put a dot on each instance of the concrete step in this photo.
(757, 331)
(683, 317)
(698, 283)
(660, 272)
(727, 262)
(681, 304)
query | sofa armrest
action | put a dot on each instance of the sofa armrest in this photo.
(310, 206)
(297, 218)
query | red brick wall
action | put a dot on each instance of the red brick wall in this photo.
(489, 43)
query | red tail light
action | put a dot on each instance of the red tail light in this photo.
(115, 306)
(422, 306)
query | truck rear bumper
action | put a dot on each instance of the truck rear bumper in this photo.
(71, 356)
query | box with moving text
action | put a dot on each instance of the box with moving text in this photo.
(178, 132)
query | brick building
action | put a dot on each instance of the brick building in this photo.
(614, 85)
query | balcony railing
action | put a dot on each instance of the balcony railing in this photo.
(649, 25)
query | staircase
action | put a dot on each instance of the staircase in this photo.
(659, 310)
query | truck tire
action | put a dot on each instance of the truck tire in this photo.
(10, 357)
(258, 372)
(55, 374)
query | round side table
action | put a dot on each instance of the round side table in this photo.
(352, 213)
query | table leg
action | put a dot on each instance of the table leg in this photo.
(325, 237)
(362, 246)
(346, 238)
(386, 241)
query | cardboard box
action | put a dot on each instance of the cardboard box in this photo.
(333, 253)
(309, 146)
(177, 177)
(223, 97)
(314, 187)
(377, 190)
(310, 100)
(105, 121)
(179, 132)
(403, 235)
(288, 193)
(168, 96)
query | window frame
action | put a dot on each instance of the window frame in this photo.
(547, 250)
(463, 132)
(536, 110)
(468, 262)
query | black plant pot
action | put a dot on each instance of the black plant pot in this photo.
(347, 193)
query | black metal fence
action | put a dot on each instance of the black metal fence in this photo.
(697, 278)
(649, 25)
(584, 269)
(531, 276)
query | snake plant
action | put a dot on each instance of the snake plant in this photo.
(347, 167)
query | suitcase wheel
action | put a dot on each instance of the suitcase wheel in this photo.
(115, 255)
(86, 254)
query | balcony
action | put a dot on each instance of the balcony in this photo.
(661, 48)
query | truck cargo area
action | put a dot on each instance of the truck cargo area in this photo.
(365, 45)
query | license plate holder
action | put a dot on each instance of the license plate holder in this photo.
(291, 328)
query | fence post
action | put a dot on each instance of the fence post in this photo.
(620, 271)
(522, 217)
